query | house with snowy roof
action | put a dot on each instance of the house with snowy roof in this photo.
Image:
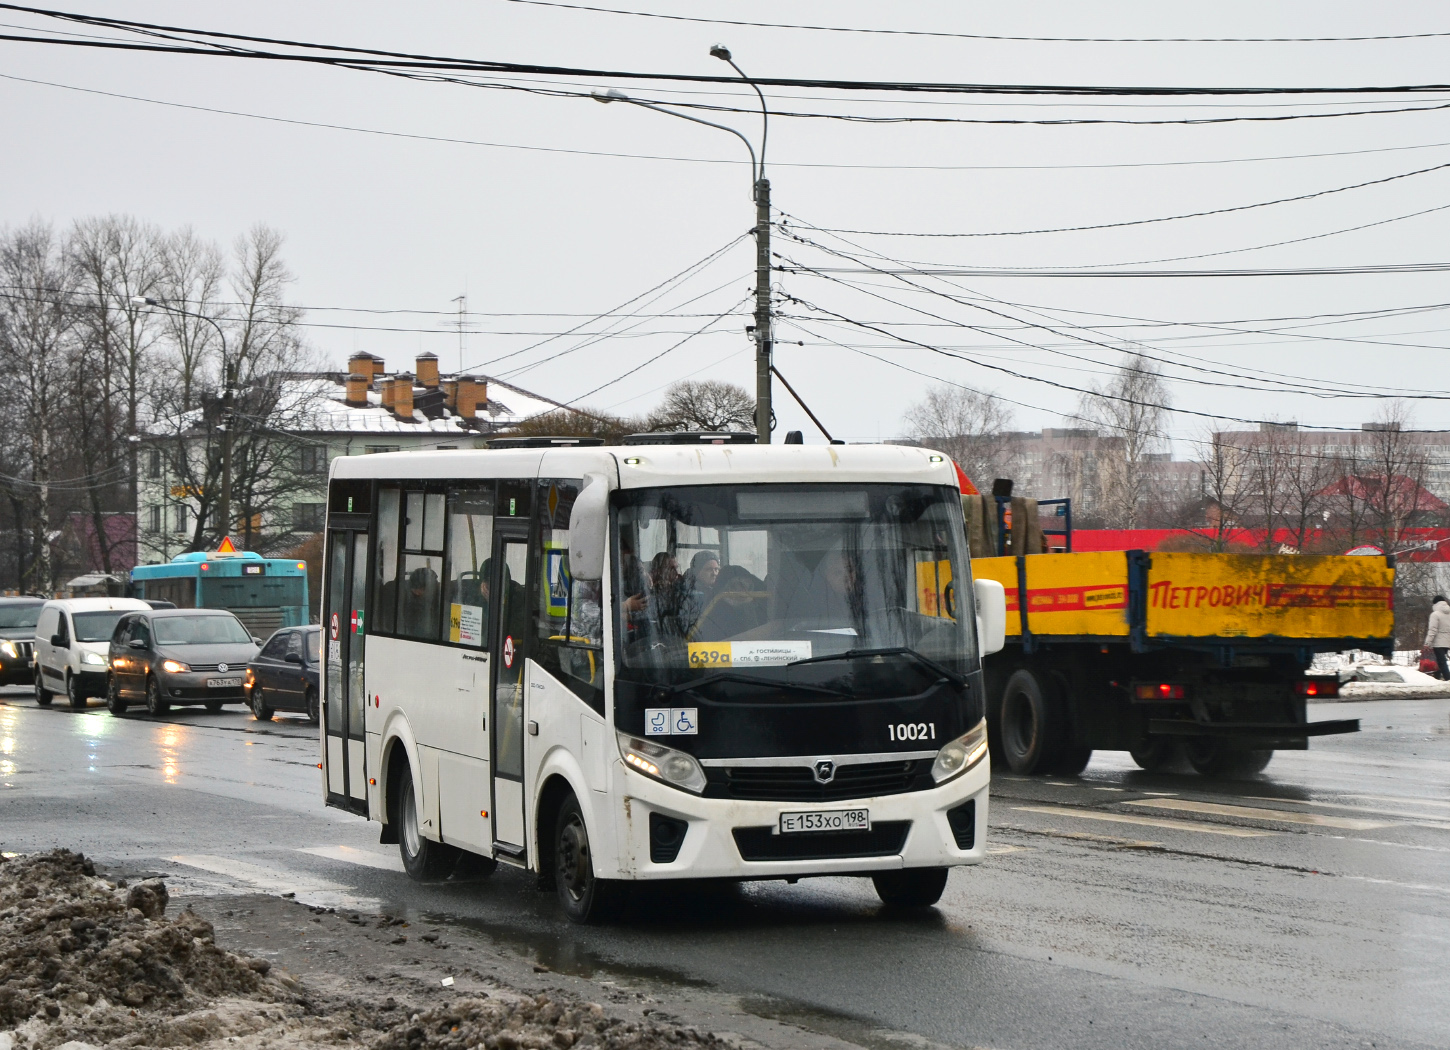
(285, 428)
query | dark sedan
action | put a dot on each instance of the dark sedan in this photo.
(284, 675)
(169, 657)
(17, 638)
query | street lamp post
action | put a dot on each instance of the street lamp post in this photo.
(760, 192)
(224, 501)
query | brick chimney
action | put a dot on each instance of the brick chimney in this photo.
(403, 396)
(385, 388)
(427, 371)
(357, 389)
(468, 394)
(361, 363)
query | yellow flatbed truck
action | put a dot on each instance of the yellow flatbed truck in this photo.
(1174, 655)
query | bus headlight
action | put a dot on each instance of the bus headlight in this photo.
(8, 650)
(174, 667)
(961, 754)
(93, 658)
(663, 763)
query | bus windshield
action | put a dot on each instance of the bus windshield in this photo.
(757, 577)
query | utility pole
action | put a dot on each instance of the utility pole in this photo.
(760, 187)
(764, 337)
(224, 504)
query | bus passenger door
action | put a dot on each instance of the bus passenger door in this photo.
(343, 626)
(510, 565)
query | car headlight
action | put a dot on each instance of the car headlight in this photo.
(8, 650)
(174, 667)
(961, 754)
(93, 658)
(663, 763)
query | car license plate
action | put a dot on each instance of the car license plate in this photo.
(826, 820)
(223, 683)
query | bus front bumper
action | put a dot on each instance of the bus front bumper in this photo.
(729, 838)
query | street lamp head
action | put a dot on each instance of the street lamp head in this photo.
(612, 95)
(721, 52)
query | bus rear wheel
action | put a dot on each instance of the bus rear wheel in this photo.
(423, 859)
(911, 887)
(584, 897)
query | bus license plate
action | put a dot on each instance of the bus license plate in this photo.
(223, 683)
(826, 820)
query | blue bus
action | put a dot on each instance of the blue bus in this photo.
(264, 593)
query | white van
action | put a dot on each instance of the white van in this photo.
(72, 645)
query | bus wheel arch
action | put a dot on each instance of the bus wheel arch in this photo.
(555, 789)
(395, 763)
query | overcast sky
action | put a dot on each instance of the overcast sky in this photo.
(541, 239)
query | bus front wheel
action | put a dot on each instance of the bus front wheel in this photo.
(910, 887)
(423, 859)
(584, 897)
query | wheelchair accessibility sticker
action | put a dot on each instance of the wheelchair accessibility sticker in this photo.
(672, 721)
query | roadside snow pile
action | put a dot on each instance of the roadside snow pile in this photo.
(86, 962)
(81, 956)
(532, 1024)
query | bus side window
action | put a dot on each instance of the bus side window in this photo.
(470, 546)
(569, 614)
(385, 600)
(420, 590)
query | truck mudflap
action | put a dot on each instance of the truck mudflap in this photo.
(1261, 734)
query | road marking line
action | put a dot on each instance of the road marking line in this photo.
(1249, 812)
(1165, 822)
(307, 888)
(1406, 801)
(997, 851)
(353, 855)
(1359, 809)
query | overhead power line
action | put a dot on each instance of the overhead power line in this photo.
(1305, 271)
(941, 34)
(214, 43)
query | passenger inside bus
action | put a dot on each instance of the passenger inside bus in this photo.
(419, 614)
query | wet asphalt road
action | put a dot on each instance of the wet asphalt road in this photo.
(1308, 906)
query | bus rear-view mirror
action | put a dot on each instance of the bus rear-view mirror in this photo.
(589, 528)
(991, 615)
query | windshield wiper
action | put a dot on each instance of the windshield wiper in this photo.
(896, 650)
(736, 676)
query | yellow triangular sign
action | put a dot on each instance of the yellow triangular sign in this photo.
(226, 546)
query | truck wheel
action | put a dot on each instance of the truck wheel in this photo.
(1070, 761)
(75, 692)
(911, 887)
(1216, 758)
(423, 859)
(1031, 724)
(1159, 755)
(584, 897)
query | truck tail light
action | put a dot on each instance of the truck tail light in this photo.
(1160, 691)
(1328, 687)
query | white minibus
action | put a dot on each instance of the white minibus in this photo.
(659, 661)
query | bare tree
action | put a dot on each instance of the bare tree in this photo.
(968, 426)
(709, 404)
(1223, 471)
(191, 279)
(1130, 406)
(37, 334)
